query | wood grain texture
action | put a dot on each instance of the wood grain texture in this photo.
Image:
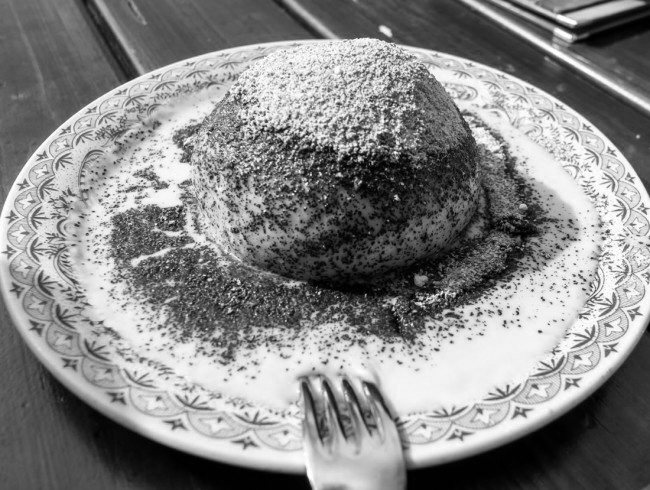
(51, 65)
(450, 27)
(148, 34)
(615, 60)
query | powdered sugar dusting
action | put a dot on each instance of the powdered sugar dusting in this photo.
(354, 96)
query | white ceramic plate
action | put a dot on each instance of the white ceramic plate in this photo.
(46, 298)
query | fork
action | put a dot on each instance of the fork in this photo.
(352, 444)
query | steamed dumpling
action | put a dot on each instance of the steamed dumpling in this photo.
(335, 161)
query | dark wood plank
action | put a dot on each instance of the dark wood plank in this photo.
(147, 34)
(446, 26)
(52, 65)
(616, 60)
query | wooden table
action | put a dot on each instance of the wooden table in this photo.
(56, 57)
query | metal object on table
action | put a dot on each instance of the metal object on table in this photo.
(350, 440)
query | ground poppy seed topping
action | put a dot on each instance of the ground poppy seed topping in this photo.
(355, 97)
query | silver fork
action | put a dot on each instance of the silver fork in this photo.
(352, 444)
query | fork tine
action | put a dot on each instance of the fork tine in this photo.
(333, 416)
(381, 414)
(310, 420)
(359, 424)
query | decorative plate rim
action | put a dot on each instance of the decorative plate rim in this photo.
(249, 442)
